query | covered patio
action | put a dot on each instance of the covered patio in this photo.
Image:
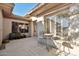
(50, 29)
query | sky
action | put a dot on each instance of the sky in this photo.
(22, 9)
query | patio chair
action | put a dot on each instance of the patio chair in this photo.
(63, 44)
(68, 45)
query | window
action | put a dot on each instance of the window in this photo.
(20, 27)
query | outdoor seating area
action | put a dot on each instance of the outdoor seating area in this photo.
(47, 30)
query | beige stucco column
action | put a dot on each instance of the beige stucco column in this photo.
(31, 28)
(1, 27)
(50, 25)
(32, 25)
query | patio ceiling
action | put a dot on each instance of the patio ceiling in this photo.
(46, 8)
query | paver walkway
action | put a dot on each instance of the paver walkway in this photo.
(24, 47)
(31, 47)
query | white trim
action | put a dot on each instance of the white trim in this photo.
(36, 8)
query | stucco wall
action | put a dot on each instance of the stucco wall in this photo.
(7, 27)
(1, 26)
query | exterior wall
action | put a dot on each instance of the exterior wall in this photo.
(1, 27)
(7, 27)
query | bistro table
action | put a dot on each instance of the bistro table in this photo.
(48, 36)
